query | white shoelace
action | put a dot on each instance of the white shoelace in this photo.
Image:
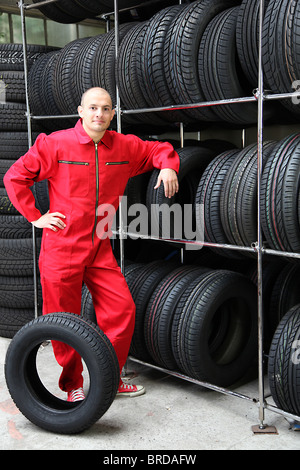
(76, 395)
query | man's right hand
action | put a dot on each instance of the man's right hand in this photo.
(50, 220)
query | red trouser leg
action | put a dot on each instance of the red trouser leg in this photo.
(64, 296)
(114, 308)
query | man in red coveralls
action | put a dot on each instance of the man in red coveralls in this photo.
(86, 166)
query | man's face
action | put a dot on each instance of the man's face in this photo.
(96, 113)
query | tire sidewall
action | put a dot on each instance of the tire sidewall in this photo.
(35, 402)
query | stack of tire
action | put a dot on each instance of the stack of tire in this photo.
(58, 79)
(12, 87)
(199, 321)
(228, 192)
(182, 54)
(193, 162)
(203, 51)
(16, 245)
(224, 185)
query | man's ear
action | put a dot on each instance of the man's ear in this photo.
(80, 110)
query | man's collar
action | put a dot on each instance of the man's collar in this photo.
(84, 138)
(107, 140)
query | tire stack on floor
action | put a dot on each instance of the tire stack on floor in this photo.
(200, 321)
(16, 247)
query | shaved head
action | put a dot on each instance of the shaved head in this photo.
(94, 91)
(96, 112)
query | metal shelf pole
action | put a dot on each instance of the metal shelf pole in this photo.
(179, 375)
(259, 232)
(39, 4)
(29, 131)
(119, 129)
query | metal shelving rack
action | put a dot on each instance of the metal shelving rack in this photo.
(258, 96)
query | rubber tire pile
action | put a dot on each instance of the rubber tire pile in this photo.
(200, 321)
(183, 54)
(191, 41)
(16, 247)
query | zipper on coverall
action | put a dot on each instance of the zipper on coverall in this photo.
(97, 189)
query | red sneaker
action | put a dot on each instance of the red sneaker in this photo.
(76, 395)
(126, 390)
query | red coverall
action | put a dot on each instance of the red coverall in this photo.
(81, 176)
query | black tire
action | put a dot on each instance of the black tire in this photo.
(193, 161)
(209, 194)
(238, 200)
(181, 51)
(18, 292)
(131, 95)
(6, 207)
(136, 190)
(160, 310)
(41, 92)
(82, 69)
(29, 393)
(12, 117)
(47, 90)
(247, 38)
(283, 367)
(141, 283)
(4, 167)
(87, 307)
(73, 9)
(219, 70)
(53, 12)
(103, 72)
(285, 294)
(14, 144)
(95, 7)
(65, 79)
(151, 74)
(15, 226)
(41, 194)
(280, 186)
(280, 49)
(16, 257)
(14, 86)
(12, 319)
(214, 333)
(109, 4)
(11, 55)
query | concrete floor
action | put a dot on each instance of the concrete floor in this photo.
(173, 415)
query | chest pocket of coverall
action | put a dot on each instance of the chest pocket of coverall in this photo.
(116, 177)
(75, 177)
